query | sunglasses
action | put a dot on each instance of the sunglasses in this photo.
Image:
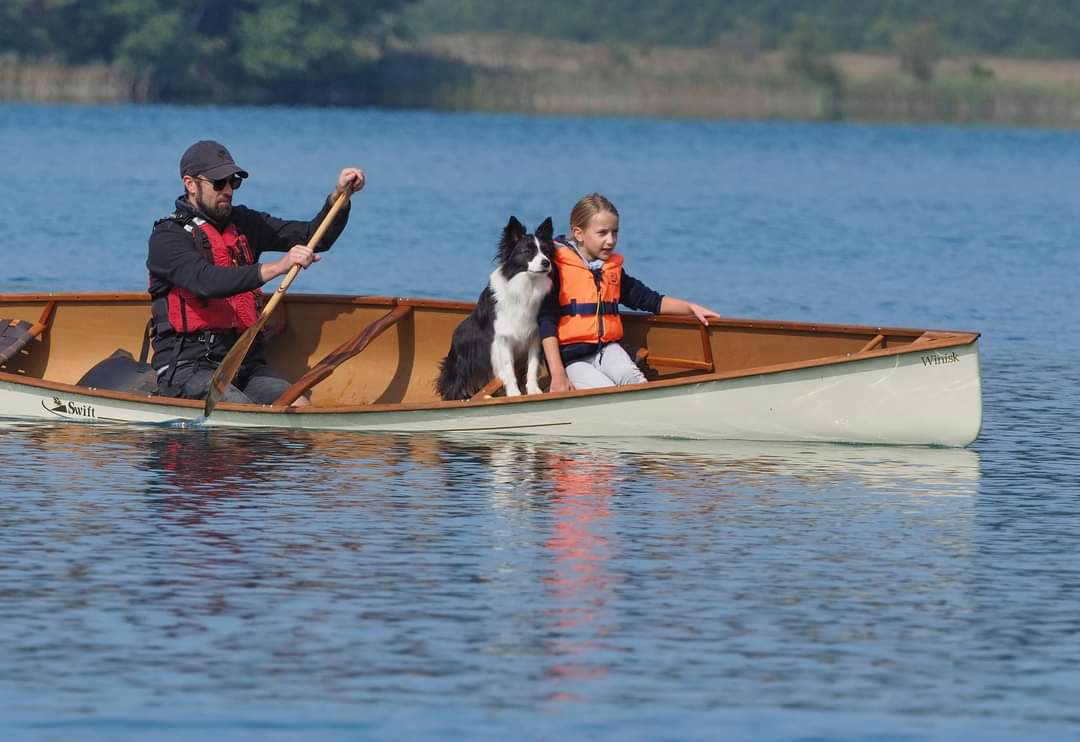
(220, 183)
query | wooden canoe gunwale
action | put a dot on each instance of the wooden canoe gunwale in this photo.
(449, 304)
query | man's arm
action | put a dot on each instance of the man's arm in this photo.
(175, 258)
(269, 233)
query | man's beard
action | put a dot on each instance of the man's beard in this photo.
(217, 213)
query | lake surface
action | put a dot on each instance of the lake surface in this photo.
(185, 584)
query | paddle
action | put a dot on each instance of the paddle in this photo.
(349, 349)
(226, 372)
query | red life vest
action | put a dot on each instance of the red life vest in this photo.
(588, 300)
(188, 312)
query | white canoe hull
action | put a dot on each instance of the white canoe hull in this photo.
(931, 397)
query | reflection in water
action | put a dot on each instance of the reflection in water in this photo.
(932, 471)
(196, 471)
(323, 573)
(580, 583)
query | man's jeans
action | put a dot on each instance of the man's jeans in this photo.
(254, 384)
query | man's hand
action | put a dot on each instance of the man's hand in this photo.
(351, 179)
(300, 255)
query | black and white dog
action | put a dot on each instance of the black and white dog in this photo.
(502, 330)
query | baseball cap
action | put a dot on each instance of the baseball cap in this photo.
(209, 159)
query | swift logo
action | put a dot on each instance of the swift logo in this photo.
(65, 409)
(936, 359)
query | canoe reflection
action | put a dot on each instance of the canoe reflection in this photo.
(931, 471)
(227, 460)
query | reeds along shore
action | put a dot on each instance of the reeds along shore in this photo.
(535, 76)
(47, 81)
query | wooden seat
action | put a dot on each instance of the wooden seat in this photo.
(706, 364)
(14, 336)
(17, 334)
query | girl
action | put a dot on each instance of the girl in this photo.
(580, 325)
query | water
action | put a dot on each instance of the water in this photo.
(178, 584)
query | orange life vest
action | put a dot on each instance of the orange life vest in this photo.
(588, 299)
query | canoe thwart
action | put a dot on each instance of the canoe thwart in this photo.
(342, 353)
(680, 363)
(489, 389)
(933, 335)
(876, 342)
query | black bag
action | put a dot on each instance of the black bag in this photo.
(120, 372)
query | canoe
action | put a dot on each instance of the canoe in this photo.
(371, 362)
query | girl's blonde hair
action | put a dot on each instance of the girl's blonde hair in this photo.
(588, 207)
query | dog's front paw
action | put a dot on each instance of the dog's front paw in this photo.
(513, 391)
(533, 388)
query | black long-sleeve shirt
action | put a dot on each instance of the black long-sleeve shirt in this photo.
(175, 258)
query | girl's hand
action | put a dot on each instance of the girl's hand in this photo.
(702, 313)
(560, 383)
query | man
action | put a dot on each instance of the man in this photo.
(205, 276)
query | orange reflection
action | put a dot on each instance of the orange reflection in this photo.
(580, 586)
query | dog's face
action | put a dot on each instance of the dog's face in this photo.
(521, 252)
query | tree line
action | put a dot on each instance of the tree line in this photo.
(1029, 28)
(324, 51)
(280, 50)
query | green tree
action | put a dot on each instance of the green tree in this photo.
(285, 50)
(919, 48)
(808, 55)
(965, 26)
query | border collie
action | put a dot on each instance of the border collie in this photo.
(502, 329)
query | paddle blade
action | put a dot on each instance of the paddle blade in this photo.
(226, 372)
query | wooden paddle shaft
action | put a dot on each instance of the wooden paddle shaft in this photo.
(230, 365)
(312, 243)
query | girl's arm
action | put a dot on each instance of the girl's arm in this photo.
(672, 305)
(560, 382)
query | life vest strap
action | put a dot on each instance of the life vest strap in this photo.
(574, 309)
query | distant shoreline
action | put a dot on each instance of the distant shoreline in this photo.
(498, 73)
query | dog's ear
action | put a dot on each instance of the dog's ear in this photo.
(513, 231)
(546, 231)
